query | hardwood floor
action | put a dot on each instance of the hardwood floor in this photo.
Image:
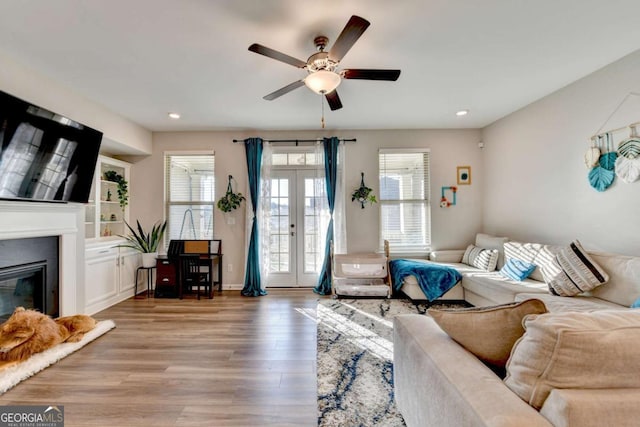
(230, 361)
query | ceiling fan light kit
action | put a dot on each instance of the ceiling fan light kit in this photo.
(322, 66)
(322, 81)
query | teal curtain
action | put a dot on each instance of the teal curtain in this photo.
(323, 287)
(252, 287)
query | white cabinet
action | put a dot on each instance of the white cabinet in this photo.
(109, 270)
(109, 274)
(104, 215)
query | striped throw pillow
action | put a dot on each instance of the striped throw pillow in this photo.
(573, 272)
(484, 259)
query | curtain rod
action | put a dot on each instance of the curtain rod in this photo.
(297, 141)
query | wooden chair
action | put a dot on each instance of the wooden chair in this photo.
(196, 266)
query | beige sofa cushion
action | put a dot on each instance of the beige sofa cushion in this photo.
(487, 332)
(579, 303)
(439, 383)
(497, 288)
(575, 351)
(624, 278)
(593, 408)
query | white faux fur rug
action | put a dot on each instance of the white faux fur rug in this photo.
(11, 376)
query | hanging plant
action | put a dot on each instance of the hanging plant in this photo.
(123, 193)
(123, 187)
(363, 194)
(230, 201)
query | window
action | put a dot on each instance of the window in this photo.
(189, 195)
(405, 210)
(296, 158)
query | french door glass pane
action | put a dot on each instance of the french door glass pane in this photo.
(314, 194)
(279, 230)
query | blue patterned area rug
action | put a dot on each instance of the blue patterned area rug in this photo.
(355, 361)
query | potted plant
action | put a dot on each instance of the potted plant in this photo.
(145, 242)
(230, 200)
(363, 193)
(123, 187)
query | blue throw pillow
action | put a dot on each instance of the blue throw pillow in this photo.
(516, 269)
(636, 304)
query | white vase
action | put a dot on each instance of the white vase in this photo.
(149, 259)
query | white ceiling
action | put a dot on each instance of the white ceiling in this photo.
(144, 58)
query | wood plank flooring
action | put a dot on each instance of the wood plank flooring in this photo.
(230, 361)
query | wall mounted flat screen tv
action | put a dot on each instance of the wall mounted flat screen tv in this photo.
(43, 155)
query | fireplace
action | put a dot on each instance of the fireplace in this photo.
(62, 225)
(29, 275)
(22, 286)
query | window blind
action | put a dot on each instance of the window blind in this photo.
(405, 213)
(189, 195)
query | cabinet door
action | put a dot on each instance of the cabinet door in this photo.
(101, 275)
(129, 262)
(90, 227)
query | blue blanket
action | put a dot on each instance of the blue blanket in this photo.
(434, 279)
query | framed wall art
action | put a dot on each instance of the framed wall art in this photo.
(464, 175)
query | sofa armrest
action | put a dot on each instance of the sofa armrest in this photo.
(454, 255)
(439, 383)
(592, 408)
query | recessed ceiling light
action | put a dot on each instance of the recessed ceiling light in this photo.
(462, 113)
(174, 116)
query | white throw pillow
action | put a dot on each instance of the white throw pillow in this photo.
(484, 259)
(573, 272)
(535, 253)
(486, 241)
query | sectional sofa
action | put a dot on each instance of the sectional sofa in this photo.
(440, 383)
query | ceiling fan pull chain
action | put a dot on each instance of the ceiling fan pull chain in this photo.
(322, 106)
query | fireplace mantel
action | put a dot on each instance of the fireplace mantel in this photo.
(66, 220)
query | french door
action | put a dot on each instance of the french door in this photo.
(297, 227)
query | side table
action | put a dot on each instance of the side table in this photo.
(149, 279)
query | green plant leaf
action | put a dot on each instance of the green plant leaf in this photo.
(142, 241)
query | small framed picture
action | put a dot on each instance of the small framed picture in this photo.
(464, 175)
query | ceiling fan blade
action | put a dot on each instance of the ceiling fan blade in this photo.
(349, 35)
(288, 88)
(278, 56)
(334, 100)
(391, 75)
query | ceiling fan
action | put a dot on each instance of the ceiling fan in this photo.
(322, 66)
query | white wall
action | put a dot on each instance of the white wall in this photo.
(535, 181)
(451, 228)
(120, 135)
